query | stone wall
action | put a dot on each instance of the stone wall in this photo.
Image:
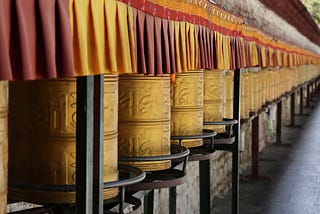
(258, 15)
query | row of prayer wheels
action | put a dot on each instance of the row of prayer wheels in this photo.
(262, 86)
(140, 114)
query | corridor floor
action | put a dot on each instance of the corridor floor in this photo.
(295, 171)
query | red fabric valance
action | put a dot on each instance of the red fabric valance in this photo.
(35, 39)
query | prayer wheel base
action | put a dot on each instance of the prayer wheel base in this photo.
(189, 143)
(52, 197)
(150, 165)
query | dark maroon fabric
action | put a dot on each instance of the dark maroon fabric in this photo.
(267, 56)
(154, 44)
(165, 47)
(237, 53)
(140, 24)
(206, 46)
(209, 45)
(172, 50)
(150, 40)
(275, 58)
(232, 53)
(259, 56)
(35, 39)
(201, 48)
(247, 52)
(213, 50)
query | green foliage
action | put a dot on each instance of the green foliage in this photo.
(313, 7)
(315, 11)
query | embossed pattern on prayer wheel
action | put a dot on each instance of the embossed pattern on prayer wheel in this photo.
(214, 98)
(3, 145)
(187, 106)
(255, 86)
(250, 89)
(229, 95)
(144, 119)
(244, 110)
(276, 84)
(43, 137)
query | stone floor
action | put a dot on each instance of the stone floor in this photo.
(295, 171)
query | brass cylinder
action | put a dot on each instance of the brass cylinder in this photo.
(255, 86)
(187, 106)
(214, 98)
(43, 137)
(3, 145)
(244, 106)
(229, 95)
(144, 119)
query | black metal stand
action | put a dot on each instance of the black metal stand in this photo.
(292, 111)
(235, 152)
(128, 175)
(301, 103)
(202, 154)
(89, 143)
(279, 119)
(169, 178)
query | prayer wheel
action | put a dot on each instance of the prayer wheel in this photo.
(3, 145)
(229, 95)
(264, 83)
(42, 134)
(244, 110)
(250, 96)
(272, 85)
(260, 89)
(214, 98)
(255, 87)
(276, 84)
(187, 106)
(144, 119)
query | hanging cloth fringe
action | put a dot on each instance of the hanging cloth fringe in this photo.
(35, 40)
(103, 37)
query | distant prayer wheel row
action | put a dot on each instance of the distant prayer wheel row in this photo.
(3, 145)
(261, 86)
(43, 138)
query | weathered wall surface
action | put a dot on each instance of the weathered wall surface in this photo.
(221, 164)
(259, 16)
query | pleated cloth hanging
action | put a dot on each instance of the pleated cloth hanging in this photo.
(35, 39)
(103, 37)
(207, 48)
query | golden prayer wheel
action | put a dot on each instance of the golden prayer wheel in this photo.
(272, 85)
(264, 85)
(3, 145)
(244, 110)
(214, 98)
(187, 106)
(255, 89)
(260, 86)
(276, 83)
(144, 119)
(229, 95)
(250, 92)
(43, 138)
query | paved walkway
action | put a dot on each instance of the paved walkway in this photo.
(295, 169)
